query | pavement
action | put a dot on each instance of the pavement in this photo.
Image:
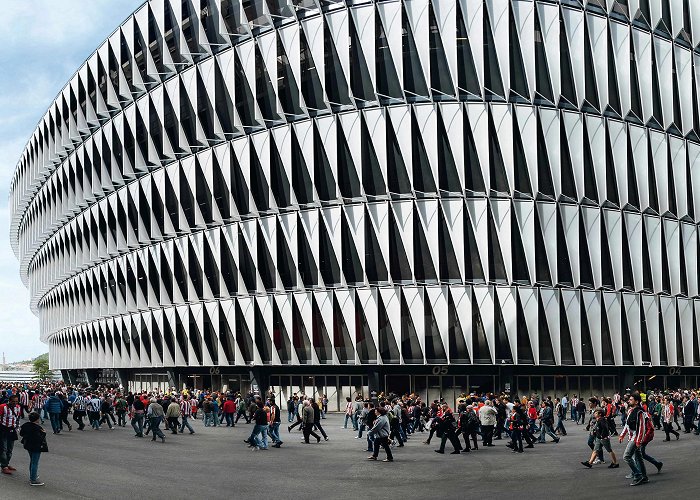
(215, 463)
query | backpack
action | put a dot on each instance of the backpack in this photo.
(648, 429)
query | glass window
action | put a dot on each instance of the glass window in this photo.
(585, 387)
(597, 386)
(548, 388)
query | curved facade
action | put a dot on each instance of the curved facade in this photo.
(421, 182)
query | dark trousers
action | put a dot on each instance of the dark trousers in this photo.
(517, 437)
(450, 434)
(64, 420)
(668, 429)
(319, 428)
(487, 431)
(155, 421)
(173, 423)
(121, 418)
(78, 416)
(7, 444)
(105, 418)
(384, 443)
(309, 431)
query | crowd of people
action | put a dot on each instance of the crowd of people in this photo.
(385, 422)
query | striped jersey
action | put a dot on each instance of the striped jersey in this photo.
(79, 404)
(24, 398)
(9, 416)
(94, 404)
(186, 408)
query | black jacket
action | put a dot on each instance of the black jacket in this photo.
(33, 436)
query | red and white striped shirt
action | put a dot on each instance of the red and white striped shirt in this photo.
(186, 408)
(24, 398)
(9, 416)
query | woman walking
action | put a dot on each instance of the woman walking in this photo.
(34, 440)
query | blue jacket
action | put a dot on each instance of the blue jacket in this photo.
(53, 405)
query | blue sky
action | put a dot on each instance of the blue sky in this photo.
(42, 43)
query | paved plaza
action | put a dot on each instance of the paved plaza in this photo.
(215, 463)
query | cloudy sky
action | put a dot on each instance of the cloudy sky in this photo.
(43, 42)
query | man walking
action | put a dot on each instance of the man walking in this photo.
(155, 415)
(308, 422)
(186, 413)
(637, 430)
(275, 420)
(79, 406)
(9, 419)
(172, 414)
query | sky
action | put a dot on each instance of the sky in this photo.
(42, 44)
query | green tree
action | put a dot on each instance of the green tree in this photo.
(41, 368)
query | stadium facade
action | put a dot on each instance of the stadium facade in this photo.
(429, 195)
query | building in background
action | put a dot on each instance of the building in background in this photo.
(329, 196)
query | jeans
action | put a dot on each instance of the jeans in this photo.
(348, 417)
(6, 447)
(34, 457)
(155, 422)
(648, 458)
(121, 418)
(574, 415)
(55, 419)
(560, 426)
(186, 423)
(208, 420)
(362, 428)
(259, 436)
(275, 433)
(370, 441)
(547, 429)
(633, 458)
(229, 419)
(137, 423)
(290, 417)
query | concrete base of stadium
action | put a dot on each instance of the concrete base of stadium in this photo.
(215, 463)
(429, 381)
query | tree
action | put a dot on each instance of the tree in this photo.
(41, 368)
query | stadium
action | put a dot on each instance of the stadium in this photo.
(350, 196)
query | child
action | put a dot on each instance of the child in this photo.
(34, 440)
(601, 433)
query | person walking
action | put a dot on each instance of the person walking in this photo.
(34, 441)
(546, 422)
(380, 431)
(667, 415)
(52, 406)
(487, 416)
(121, 406)
(601, 435)
(446, 427)
(79, 406)
(155, 414)
(560, 412)
(94, 411)
(229, 410)
(172, 414)
(138, 409)
(638, 431)
(275, 421)
(308, 422)
(349, 412)
(9, 419)
(65, 408)
(317, 419)
(186, 407)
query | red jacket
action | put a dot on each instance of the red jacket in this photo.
(229, 406)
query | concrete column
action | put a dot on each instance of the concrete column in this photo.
(91, 377)
(260, 377)
(173, 379)
(123, 377)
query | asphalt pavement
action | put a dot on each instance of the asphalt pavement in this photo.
(215, 463)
